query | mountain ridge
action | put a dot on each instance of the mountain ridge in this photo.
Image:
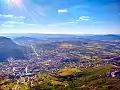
(10, 49)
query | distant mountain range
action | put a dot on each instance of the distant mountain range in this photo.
(103, 37)
(42, 36)
(64, 36)
(25, 38)
(10, 49)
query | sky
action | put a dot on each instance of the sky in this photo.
(60, 16)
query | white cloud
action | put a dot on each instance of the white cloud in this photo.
(32, 24)
(62, 23)
(6, 16)
(81, 18)
(11, 24)
(11, 16)
(71, 22)
(85, 18)
(14, 22)
(52, 25)
(19, 17)
(6, 25)
(62, 11)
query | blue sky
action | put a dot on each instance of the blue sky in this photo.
(60, 16)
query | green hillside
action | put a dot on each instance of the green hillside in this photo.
(89, 79)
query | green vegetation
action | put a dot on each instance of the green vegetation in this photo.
(68, 71)
(90, 75)
(87, 79)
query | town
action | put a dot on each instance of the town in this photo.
(52, 54)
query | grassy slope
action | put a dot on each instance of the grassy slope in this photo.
(88, 79)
